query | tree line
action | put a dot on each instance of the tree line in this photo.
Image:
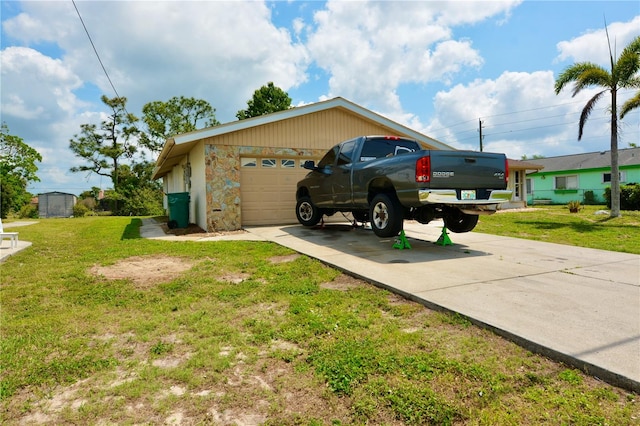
(121, 148)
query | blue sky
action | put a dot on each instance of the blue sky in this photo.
(437, 67)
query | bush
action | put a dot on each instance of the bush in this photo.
(590, 198)
(629, 197)
(28, 211)
(80, 210)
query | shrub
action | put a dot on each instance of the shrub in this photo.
(573, 206)
(28, 211)
(80, 210)
(590, 198)
(629, 197)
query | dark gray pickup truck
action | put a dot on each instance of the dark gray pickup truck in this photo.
(386, 179)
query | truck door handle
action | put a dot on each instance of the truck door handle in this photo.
(469, 160)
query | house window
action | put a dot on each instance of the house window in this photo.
(567, 182)
(606, 177)
(269, 162)
(288, 163)
(529, 184)
(248, 162)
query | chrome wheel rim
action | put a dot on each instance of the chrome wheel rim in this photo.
(306, 211)
(380, 215)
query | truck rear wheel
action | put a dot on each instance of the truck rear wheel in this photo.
(459, 222)
(385, 215)
(307, 213)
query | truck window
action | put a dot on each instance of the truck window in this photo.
(379, 148)
(346, 153)
(329, 158)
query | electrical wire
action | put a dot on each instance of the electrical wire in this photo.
(95, 50)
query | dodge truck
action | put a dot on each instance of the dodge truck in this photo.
(387, 179)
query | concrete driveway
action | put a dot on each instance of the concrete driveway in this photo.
(576, 305)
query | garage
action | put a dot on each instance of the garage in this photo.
(244, 173)
(268, 189)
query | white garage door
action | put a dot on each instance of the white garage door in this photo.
(268, 189)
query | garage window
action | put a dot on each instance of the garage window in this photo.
(288, 163)
(248, 162)
(269, 163)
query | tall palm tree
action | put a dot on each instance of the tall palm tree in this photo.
(623, 75)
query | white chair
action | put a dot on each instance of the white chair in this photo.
(11, 235)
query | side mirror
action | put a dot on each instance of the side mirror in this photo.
(309, 165)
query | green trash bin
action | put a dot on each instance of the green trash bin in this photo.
(178, 209)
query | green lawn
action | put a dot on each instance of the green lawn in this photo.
(99, 326)
(556, 225)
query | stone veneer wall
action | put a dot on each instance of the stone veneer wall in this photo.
(222, 174)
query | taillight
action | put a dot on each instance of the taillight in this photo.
(423, 169)
(506, 170)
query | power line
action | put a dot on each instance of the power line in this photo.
(95, 50)
(474, 130)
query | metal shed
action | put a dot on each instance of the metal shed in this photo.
(56, 204)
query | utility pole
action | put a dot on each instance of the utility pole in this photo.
(480, 130)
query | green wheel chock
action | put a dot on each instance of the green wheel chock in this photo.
(401, 242)
(444, 239)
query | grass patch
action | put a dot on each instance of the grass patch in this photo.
(555, 224)
(249, 332)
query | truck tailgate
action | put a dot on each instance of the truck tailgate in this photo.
(467, 170)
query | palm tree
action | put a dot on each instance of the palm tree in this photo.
(622, 76)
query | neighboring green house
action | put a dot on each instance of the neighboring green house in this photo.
(570, 177)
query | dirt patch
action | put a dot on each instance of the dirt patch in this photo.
(284, 259)
(343, 282)
(144, 271)
(234, 278)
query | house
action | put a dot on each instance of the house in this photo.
(245, 172)
(517, 182)
(56, 204)
(580, 177)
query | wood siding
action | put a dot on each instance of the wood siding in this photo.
(320, 130)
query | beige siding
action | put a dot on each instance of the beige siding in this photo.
(320, 130)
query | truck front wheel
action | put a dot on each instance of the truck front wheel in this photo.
(307, 213)
(385, 214)
(459, 222)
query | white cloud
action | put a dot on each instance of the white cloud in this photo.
(156, 50)
(593, 46)
(371, 48)
(36, 86)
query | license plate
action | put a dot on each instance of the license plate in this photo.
(468, 194)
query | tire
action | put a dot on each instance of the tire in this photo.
(459, 222)
(307, 213)
(385, 215)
